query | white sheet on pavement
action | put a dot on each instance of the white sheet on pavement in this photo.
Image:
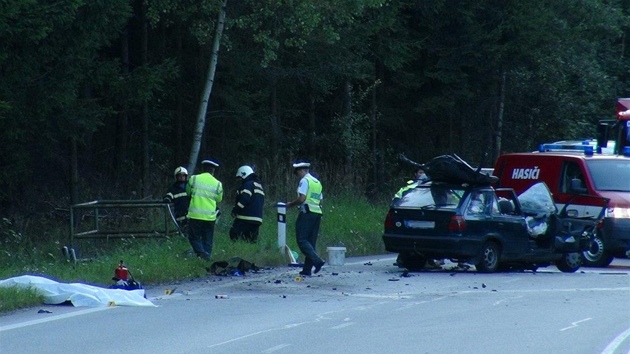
(78, 294)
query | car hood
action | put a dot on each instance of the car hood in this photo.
(617, 199)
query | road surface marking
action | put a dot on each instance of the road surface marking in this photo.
(53, 318)
(276, 348)
(292, 325)
(614, 345)
(343, 325)
(575, 324)
(509, 298)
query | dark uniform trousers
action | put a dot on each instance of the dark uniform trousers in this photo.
(306, 230)
(243, 230)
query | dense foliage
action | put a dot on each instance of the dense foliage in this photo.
(98, 98)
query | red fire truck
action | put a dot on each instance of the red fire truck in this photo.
(581, 174)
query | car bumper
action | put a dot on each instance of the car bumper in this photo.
(434, 246)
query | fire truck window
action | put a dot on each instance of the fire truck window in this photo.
(571, 171)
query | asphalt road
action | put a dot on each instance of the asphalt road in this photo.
(365, 306)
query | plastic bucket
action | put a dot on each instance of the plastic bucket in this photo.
(336, 255)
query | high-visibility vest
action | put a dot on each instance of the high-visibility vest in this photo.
(410, 185)
(314, 197)
(205, 193)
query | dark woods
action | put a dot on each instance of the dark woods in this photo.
(99, 99)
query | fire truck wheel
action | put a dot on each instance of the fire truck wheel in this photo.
(489, 260)
(596, 255)
(569, 263)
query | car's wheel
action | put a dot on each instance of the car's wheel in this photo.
(411, 261)
(596, 254)
(489, 259)
(570, 262)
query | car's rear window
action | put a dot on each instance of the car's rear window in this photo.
(430, 197)
(610, 175)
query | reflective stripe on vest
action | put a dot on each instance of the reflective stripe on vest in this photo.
(205, 192)
(314, 196)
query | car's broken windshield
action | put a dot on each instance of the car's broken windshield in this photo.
(537, 200)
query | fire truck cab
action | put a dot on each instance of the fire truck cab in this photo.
(581, 174)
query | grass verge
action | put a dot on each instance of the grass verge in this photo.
(348, 221)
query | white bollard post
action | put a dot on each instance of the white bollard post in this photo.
(282, 234)
(282, 226)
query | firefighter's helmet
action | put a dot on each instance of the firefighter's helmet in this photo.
(180, 171)
(244, 171)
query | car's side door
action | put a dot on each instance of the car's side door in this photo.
(477, 214)
(511, 228)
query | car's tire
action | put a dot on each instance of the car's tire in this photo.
(570, 262)
(489, 258)
(596, 255)
(411, 261)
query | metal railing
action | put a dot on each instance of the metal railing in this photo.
(146, 219)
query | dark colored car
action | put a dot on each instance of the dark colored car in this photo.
(479, 225)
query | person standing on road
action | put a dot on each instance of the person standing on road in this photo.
(177, 195)
(206, 192)
(248, 209)
(309, 199)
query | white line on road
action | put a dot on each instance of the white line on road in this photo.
(343, 325)
(510, 298)
(53, 318)
(276, 348)
(614, 345)
(292, 325)
(575, 324)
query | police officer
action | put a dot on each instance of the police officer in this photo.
(309, 199)
(177, 195)
(206, 192)
(248, 209)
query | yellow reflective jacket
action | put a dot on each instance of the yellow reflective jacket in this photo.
(205, 193)
(314, 197)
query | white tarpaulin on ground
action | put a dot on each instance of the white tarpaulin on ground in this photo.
(78, 294)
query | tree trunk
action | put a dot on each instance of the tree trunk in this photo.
(146, 179)
(123, 117)
(275, 124)
(203, 106)
(346, 113)
(74, 172)
(500, 113)
(374, 137)
(179, 118)
(310, 150)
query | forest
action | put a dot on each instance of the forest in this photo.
(101, 99)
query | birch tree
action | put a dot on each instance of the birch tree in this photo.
(205, 97)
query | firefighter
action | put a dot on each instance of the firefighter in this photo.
(177, 195)
(307, 225)
(206, 192)
(248, 207)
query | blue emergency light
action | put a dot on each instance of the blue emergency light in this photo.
(561, 147)
(586, 147)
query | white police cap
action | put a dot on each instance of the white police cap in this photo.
(210, 162)
(301, 164)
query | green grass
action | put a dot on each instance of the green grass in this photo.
(348, 220)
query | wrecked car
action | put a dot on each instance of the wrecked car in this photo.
(458, 215)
